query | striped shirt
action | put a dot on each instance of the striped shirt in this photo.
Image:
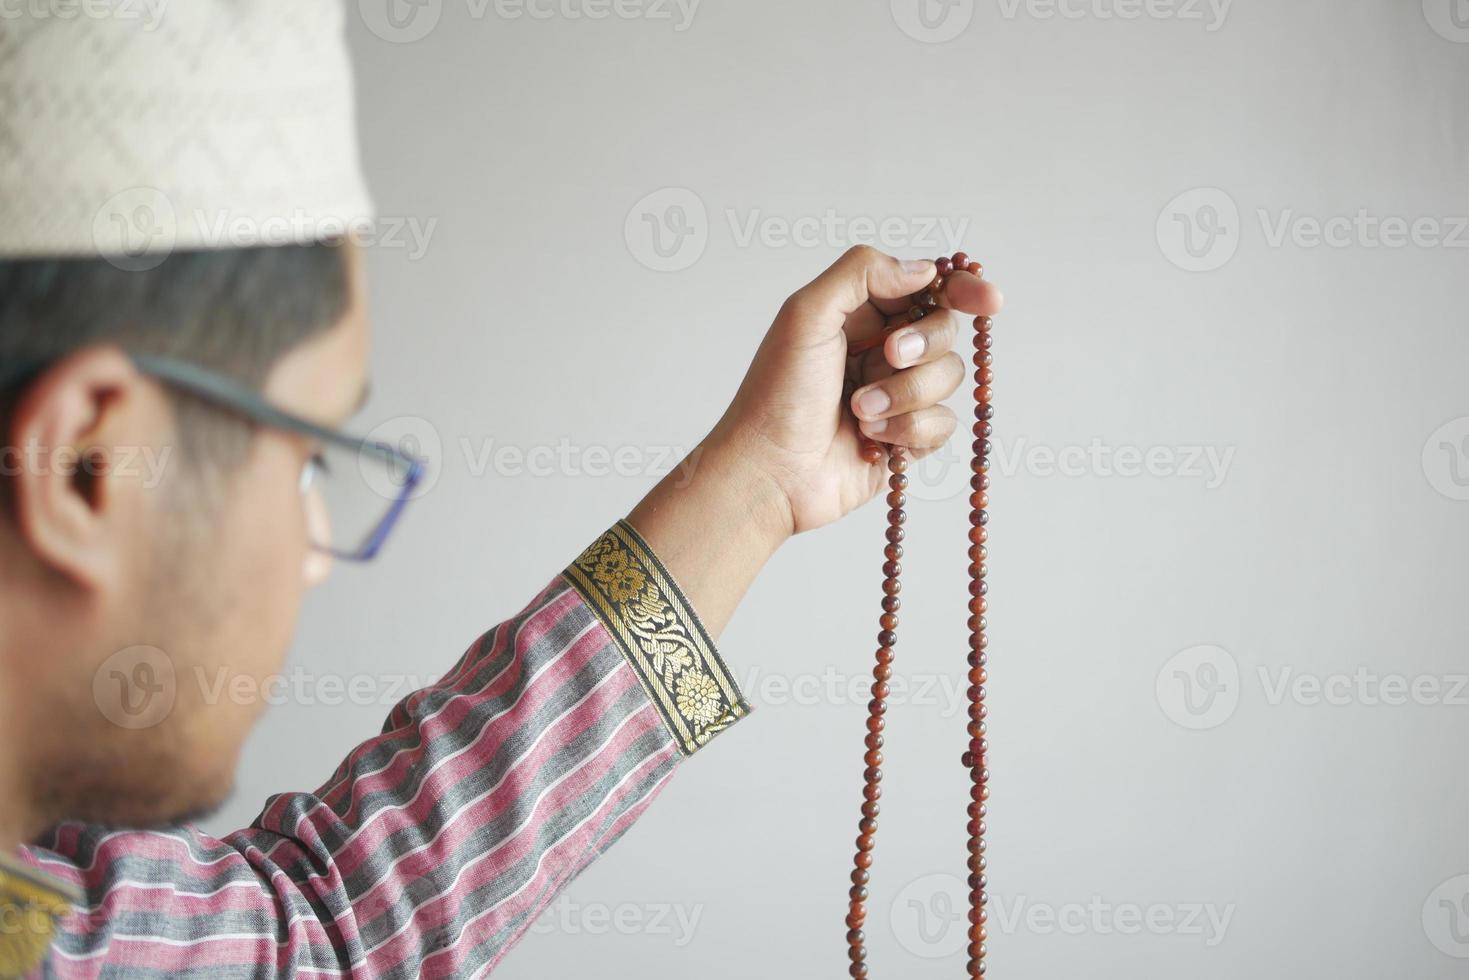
(432, 848)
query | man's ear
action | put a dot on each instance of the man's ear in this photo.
(75, 441)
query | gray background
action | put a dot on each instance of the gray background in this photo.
(1147, 762)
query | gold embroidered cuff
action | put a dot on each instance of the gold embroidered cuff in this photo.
(655, 627)
(30, 904)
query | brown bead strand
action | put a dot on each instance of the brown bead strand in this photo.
(882, 671)
(975, 759)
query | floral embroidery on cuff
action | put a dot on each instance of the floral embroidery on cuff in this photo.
(31, 902)
(655, 627)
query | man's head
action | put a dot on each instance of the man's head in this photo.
(135, 516)
(161, 192)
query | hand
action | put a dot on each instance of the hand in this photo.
(789, 422)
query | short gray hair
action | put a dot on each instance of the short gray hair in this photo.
(236, 311)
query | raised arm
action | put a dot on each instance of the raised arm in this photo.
(435, 844)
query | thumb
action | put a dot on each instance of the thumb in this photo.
(862, 274)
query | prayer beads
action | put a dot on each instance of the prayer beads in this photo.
(975, 759)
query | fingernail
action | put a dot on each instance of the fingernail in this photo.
(873, 402)
(911, 346)
(915, 266)
(872, 428)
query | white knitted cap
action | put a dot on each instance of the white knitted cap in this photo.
(132, 128)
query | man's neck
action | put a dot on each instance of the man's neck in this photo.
(11, 822)
(14, 797)
(10, 835)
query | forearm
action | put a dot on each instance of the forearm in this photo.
(714, 522)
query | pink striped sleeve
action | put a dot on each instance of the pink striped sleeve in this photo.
(434, 845)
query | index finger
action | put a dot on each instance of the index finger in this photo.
(965, 292)
(863, 278)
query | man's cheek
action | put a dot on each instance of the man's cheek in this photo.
(268, 586)
(279, 534)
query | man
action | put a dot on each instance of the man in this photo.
(433, 846)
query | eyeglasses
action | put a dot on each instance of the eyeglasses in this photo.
(355, 489)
